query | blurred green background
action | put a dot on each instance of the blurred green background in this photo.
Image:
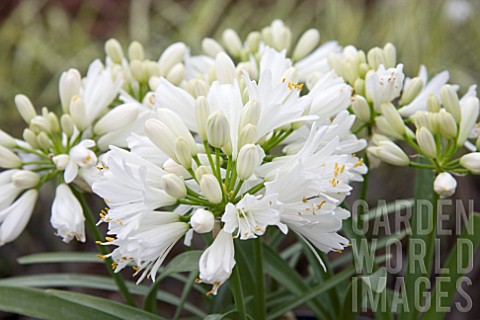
(39, 39)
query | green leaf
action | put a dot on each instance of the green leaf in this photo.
(43, 305)
(93, 282)
(291, 280)
(460, 257)
(218, 316)
(121, 311)
(310, 294)
(184, 262)
(59, 257)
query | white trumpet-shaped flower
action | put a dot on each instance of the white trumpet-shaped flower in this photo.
(67, 215)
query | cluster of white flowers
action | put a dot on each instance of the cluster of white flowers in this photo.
(207, 151)
(245, 136)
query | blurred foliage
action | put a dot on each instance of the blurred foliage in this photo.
(39, 39)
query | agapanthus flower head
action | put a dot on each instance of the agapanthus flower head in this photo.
(211, 156)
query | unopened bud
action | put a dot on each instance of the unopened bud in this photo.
(447, 125)
(445, 185)
(61, 161)
(7, 140)
(182, 152)
(138, 71)
(433, 103)
(469, 116)
(412, 90)
(136, 51)
(114, 51)
(25, 108)
(450, 101)
(40, 124)
(78, 112)
(247, 161)
(30, 137)
(359, 87)
(247, 135)
(25, 179)
(211, 47)
(54, 122)
(390, 54)
(218, 129)
(202, 221)
(201, 171)
(375, 58)
(211, 189)
(393, 118)
(8, 159)
(69, 86)
(43, 141)
(253, 41)
(361, 108)
(426, 141)
(389, 152)
(471, 161)
(232, 42)
(176, 74)
(308, 41)
(117, 118)
(171, 56)
(67, 124)
(202, 112)
(174, 186)
(250, 113)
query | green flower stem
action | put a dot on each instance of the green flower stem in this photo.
(122, 287)
(253, 190)
(233, 177)
(421, 165)
(197, 200)
(363, 194)
(237, 189)
(37, 162)
(276, 140)
(260, 280)
(35, 152)
(236, 287)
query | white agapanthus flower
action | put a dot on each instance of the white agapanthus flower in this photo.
(230, 181)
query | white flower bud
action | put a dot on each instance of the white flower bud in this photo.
(390, 54)
(174, 186)
(227, 149)
(69, 86)
(201, 171)
(138, 71)
(40, 124)
(232, 42)
(117, 118)
(426, 141)
(7, 140)
(447, 125)
(202, 112)
(114, 51)
(389, 152)
(176, 74)
(277, 35)
(469, 116)
(247, 161)
(8, 159)
(78, 112)
(224, 68)
(25, 179)
(250, 113)
(433, 124)
(376, 58)
(151, 68)
(433, 103)
(67, 124)
(211, 189)
(445, 185)
(43, 141)
(361, 108)
(30, 137)
(412, 90)
(202, 221)
(450, 101)
(385, 127)
(54, 122)
(471, 161)
(136, 51)
(393, 118)
(25, 107)
(253, 41)
(182, 152)
(376, 138)
(211, 47)
(420, 119)
(307, 42)
(218, 129)
(173, 167)
(61, 161)
(247, 135)
(171, 56)
(359, 86)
